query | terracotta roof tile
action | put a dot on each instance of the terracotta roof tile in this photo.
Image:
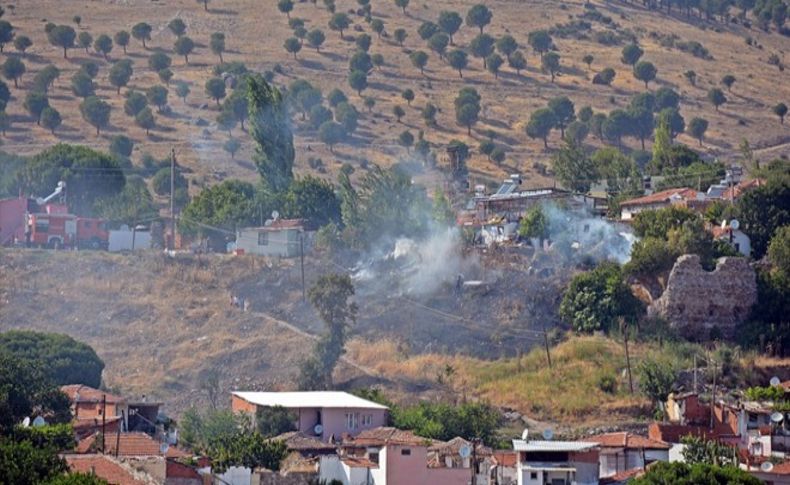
(506, 458)
(131, 444)
(626, 440)
(623, 476)
(89, 394)
(663, 196)
(454, 447)
(358, 462)
(387, 436)
(298, 441)
(105, 468)
(741, 187)
(780, 469)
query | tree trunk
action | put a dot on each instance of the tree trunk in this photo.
(186, 59)
(65, 53)
(205, 5)
(221, 61)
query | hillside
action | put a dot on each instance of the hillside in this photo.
(255, 34)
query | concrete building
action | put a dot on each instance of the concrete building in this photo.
(92, 408)
(327, 415)
(557, 462)
(283, 238)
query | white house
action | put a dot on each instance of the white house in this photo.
(735, 237)
(557, 462)
(658, 200)
(623, 451)
(284, 238)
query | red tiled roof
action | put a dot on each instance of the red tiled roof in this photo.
(663, 196)
(386, 436)
(131, 444)
(89, 394)
(298, 441)
(174, 469)
(285, 224)
(626, 440)
(622, 476)
(103, 467)
(738, 190)
(453, 447)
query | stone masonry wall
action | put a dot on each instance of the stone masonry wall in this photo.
(700, 303)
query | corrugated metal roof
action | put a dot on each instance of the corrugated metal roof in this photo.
(521, 445)
(313, 399)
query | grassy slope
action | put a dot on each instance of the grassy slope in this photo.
(256, 33)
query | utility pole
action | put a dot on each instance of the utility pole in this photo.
(546, 343)
(695, 373)
(474, 461)
(172, 198)
(103, 421)
(301, 258)
(713, 395)
(624, 328)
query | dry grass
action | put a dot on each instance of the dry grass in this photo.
(256, 32)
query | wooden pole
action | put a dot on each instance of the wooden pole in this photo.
(103, 421)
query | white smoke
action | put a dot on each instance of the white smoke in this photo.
(581, 233)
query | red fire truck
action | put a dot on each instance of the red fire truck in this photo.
(39, 223)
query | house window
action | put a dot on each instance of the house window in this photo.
(374, 457)
(352, 420)
(533, 476)
(405, 452)
(263, 239)
(367, 419)
(42, 225)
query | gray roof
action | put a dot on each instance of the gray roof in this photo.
(521, 445)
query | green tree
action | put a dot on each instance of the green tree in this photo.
(215, 89)
(517, 62)
(696, 474)
(50, 119)
(142, 32)
(22, 43)
(96, 112)
(604, 77)
(658, 223)
(400, 36)
(85, 40)
(157, 96)
(588, 59)
(182, 91)
(507, 45)
(6, 33)
(697, 128)
(103, 45)
(438, 43)
(122, 39)
(449, 22)
(377, 26)
(540, 41)
(406, 139)
(728, 80)
(231, 146)
(479, 16)
(655, 381)
(763, 210)
(314, 200)
(691, 76)
(358, 81)
(331, 133)
(339, 22)
(598, 299)
(348, 116)
(535, 225)
(62, 36)
(226, 122)
(330, 297)
(564, 112)
(22, 463)
(363, 41)
(482, 46)
(42, 81)
(780, 110)
(540, 124)
(120, 74)
(467, 114)
(286, 7)
(121, 146)
(158, 61)
(426, 30)
(419, 59)
(458, 60)
(275, 420)
(402, 4)
(183, 47)
(631, 55)
(35, 103)
(701, 451)
(574, 169)
(132, 206)
(225, 206)
(645, 71)
(13, 69)
(82, 85)
(316, 38)
(292, 45)
(429, 114)
(135, 102)
(238, 105)
(716, 97)
(551, 63)
(217, 45)
(271, 132)
(370, 102)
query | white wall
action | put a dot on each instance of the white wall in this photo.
(122, 240)
(236, 475)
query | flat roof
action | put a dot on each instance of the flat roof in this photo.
(521, 445)
(310, 399)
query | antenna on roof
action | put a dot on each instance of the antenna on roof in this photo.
(766, 466)
(26, 422)
(275, 215)
(465, 451)
(734, 224)
(775, 381)
(777, 417)
(525, 434)
(39, 421)
(548, 434)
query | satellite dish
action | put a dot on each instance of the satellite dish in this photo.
(525, 434)
(275, 215)
(548, 434)
(775, 381)
(465, 451)
(777, 417)
(26, 422)
(734, 224)
(39, 421)
(163, 448)
(766, 466)
(724, 224)
(318, 429)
